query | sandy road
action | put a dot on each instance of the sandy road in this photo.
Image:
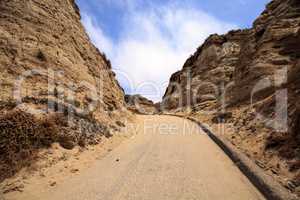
(169, 158)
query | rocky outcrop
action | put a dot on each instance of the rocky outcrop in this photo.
(44, 37)
(212, 65)
(253, 75)
(48, 65)
(141, 105)
(241, 58)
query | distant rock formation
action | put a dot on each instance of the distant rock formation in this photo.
(247, 73)
(141, 105)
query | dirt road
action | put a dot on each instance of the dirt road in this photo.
(169, 158)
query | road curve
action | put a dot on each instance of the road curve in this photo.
(169, 159)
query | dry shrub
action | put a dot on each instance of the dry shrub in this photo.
(287, 145)
(21, 135)
(276, 140)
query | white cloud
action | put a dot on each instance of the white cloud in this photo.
(155, 43)
(97, 36)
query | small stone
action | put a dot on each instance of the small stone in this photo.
(53, 184)
(74, 170)
(67, 141)
(117, 160)
(119, 123)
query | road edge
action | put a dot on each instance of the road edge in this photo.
(271, 189)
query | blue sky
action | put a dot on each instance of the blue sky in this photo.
(147, 41)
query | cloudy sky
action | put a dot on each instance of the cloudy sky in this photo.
(148, 40)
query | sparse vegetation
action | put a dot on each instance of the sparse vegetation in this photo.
(21, 134)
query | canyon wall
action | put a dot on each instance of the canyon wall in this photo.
(140, 105)
(48, 37)
(55, 85)
(250, 80)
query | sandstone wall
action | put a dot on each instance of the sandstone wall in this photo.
(48, 37)
(254, 73)
(140, 105)
(55, 86)
(242, 58)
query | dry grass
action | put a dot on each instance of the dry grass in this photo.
(287, 144)
(21, 135)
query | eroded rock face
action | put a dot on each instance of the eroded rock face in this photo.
(47, 40)
(239, 59)
(212, 65)
(248, 72)
(245, 66)
(140, 104)
(48, 66)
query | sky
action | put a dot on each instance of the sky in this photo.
(148, 40)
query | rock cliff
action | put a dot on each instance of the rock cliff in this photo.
(141, 105)
(49, 66)
(251, 76)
